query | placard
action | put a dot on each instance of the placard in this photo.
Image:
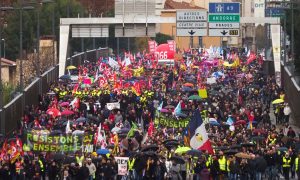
(40, 142)
(111, 106)
(122, 165)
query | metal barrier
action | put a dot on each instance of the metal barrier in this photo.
(11, 114)
(91, 55)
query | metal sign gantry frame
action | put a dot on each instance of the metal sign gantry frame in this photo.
(65, 24)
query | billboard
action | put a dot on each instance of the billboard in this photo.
(259, 9)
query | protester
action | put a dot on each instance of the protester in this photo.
(145, 120)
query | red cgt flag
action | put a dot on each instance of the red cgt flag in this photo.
(251, 57)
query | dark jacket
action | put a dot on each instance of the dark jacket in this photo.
(234, 167)
(83, 173)
(53, 171)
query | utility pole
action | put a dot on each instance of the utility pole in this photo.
(53, 36)
(21, 45)
(38, 42)
(1, 94)
(292, 31)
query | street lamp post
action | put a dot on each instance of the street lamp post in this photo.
(292, 31)
(53, 36)
(21, 45)
(21, 8)
(1, 97)
(38, 42)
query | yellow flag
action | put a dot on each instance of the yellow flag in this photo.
(202, 93)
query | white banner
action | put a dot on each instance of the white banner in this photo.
(275, 31)
(122, 165)
(113, 63)
(211, 80)
(259, 9)
(111, 106)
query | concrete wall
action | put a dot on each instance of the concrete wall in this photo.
(292, 91)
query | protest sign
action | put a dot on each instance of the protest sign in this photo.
(171, 122)
(111, 106)
(122, 165)
(59, 143)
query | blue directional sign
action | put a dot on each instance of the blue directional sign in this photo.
(230, 8)
(274, 12)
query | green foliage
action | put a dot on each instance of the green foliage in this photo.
(162, 38)
(12, 31)
(8, 89)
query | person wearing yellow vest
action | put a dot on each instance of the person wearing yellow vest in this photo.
(208, 162)
(79, 159)
(271, 139)
(222, 164)
(286, 165)
(190, 169)
(297, 169)
(42, 168)
(131, 170)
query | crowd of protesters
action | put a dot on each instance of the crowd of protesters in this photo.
(246, 145)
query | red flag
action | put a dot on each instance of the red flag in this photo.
(19, 146)
(151, 129)
(137, 88)
(4, 150)
(75, 89)
(37, 123)
(102, 82)
(251, 58)
(14, 154)
(118, 85)
(150, 83)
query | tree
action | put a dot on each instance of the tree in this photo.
(162, 38)
(12, 31)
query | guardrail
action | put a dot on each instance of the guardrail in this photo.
(11, 114)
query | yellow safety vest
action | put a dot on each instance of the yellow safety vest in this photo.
(222, 163)
(131, 164)
(61, 94)
(286, 162)
(188, 168)
(99, 93)
(41, 165)
(228, 163)
(208, 163)
(271, 140)
(79, 160)
(297, 164)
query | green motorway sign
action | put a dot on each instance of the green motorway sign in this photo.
(223, 18)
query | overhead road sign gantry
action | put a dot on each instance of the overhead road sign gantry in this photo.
(224, 19)
(191, 23)
(224, 8)
(224, 32)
